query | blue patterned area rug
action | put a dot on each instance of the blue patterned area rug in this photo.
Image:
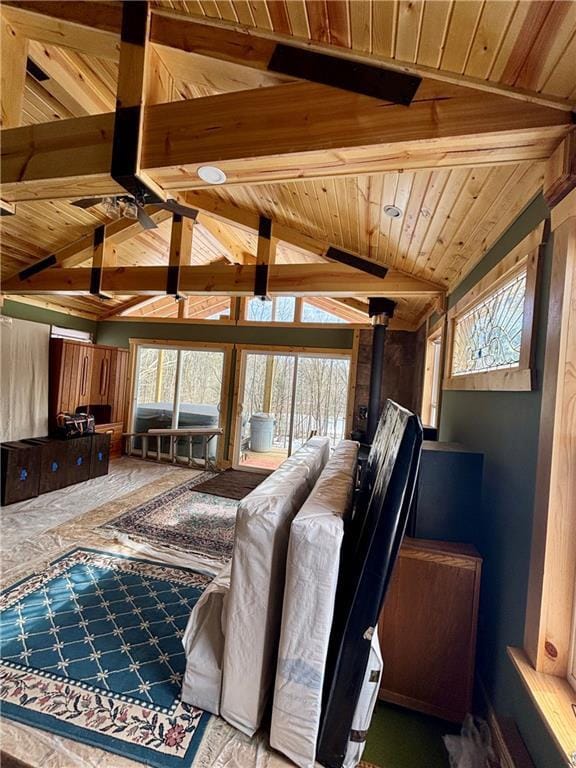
(183, 519)
(92, 650)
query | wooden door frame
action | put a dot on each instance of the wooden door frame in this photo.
(240, 379)
(194, 346)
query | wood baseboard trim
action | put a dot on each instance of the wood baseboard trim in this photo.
(507, 742)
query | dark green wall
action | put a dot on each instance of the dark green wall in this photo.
(119, 334)
(505, 426)
(47, 316)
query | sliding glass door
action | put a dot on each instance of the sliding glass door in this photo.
(285, 398)
(176, 388)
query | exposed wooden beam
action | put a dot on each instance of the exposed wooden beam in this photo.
(224, 279)
(265, 256)
(303, 130)
(117, 232)
(126, 167)
(222, 233)
(217, 75)
(560, 177)
(7, 209)
(356, 305)
(91, 28)
(13, 53)
(121, 309)
(99, 261)
(294, 131)
(95, 27)
(160, 85)
(79, 91)
(337, 254)
(180, 251)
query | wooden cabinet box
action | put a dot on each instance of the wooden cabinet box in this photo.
(44, 464)
(427, 628)
(100, 454)
(52, 457)
(78, 459)
(20, 472)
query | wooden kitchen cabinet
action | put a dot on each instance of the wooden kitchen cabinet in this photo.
(427, 628)
(70, 376)
(100, 379)
(87, 374)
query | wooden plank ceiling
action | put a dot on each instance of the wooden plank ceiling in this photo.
(528, 45)
(450, 216)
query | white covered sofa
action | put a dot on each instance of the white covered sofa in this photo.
(244, 603)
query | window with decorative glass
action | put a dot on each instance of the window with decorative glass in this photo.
(489, 331)
(488, 337)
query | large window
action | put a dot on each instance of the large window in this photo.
(177, 388)
(286, 397)
(489, 331)
(316, 310)
(278, 310)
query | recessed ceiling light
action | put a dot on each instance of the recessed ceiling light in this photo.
(211, 175)
(393, 211)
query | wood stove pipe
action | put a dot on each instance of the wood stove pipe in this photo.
(381, 311)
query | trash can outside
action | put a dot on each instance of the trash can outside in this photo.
(261, 432)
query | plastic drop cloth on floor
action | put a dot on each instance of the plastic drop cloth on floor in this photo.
(66, 519)
(26, 519)
(222, 747)
(472, 748)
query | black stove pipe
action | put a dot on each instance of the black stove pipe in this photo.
(381, 311)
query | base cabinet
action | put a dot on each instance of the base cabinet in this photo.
(40, 465)
(427, 628)
(115, 430)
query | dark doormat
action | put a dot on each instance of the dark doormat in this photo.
(232, 484)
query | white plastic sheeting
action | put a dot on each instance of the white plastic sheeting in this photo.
(32, 517)
(24, 349)
(309, 596)
(366, 704)
(257, 584)
(203, 643)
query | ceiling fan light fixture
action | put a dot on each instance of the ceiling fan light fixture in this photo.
(130, 209)
(111, 207)
(211, 175)
(393, 211)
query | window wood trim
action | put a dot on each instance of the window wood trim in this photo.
(198, 346)
(435, 332)
(554, 700)
(524, 256)
(551, 586)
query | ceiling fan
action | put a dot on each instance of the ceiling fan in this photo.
(130, 207)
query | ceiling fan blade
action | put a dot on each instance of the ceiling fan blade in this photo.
(183, 210)
(145, 220)
(87, 202)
